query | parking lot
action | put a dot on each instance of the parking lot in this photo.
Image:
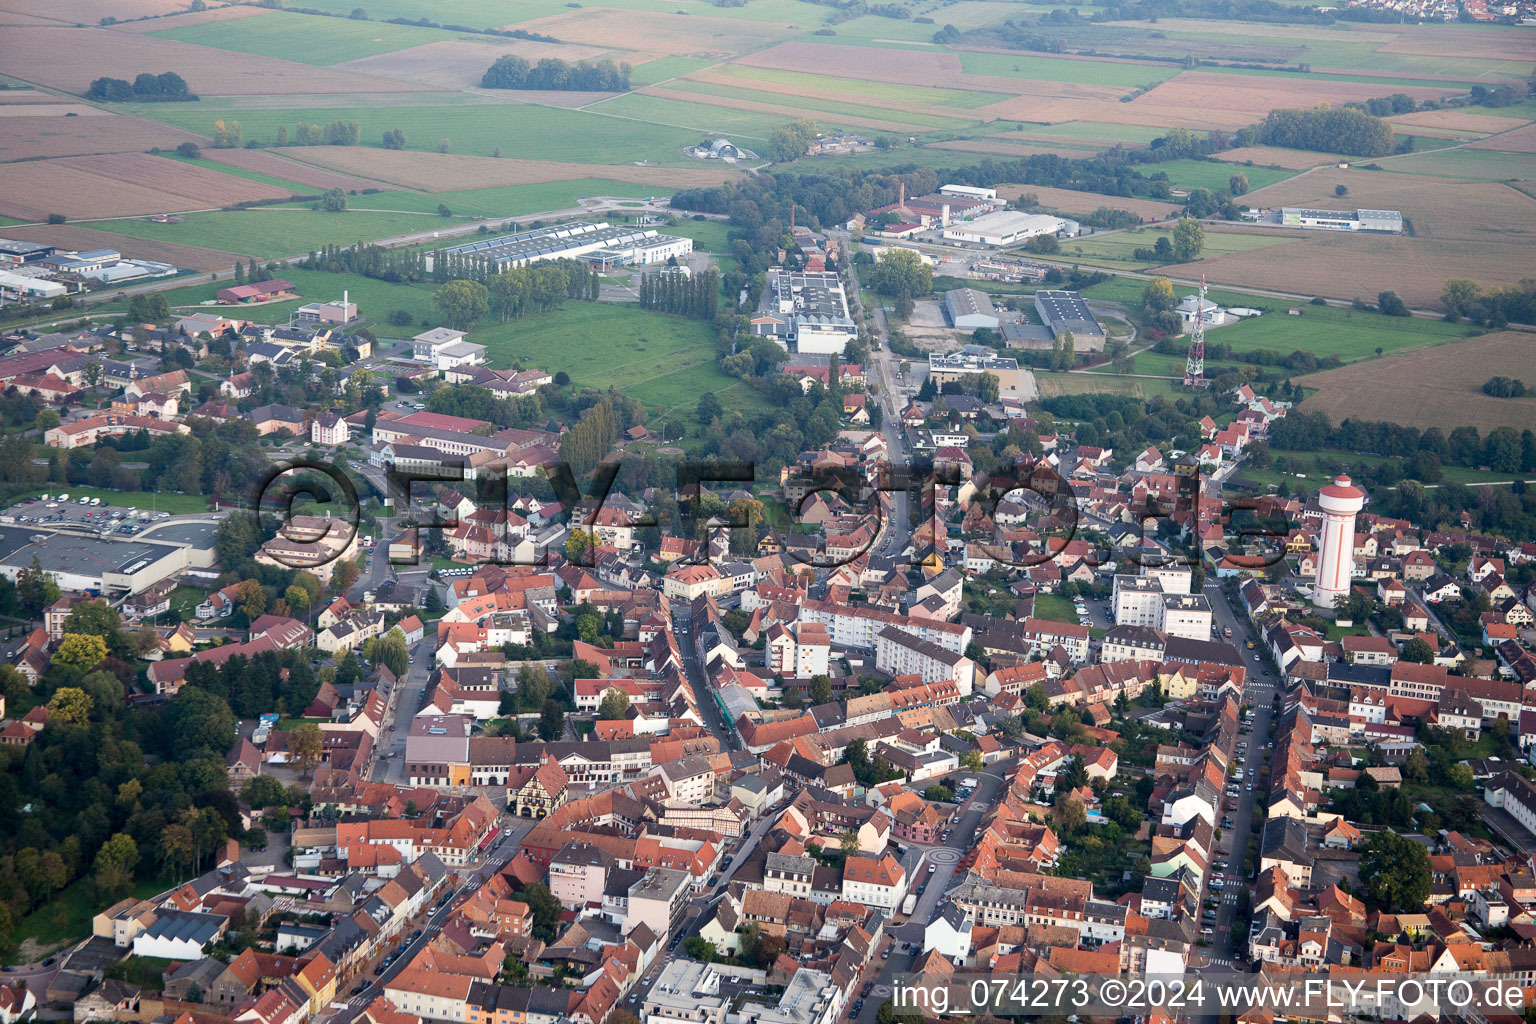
(67, 510)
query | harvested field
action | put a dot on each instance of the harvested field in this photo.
(51, 110)
(1022, 99)
(1265, 156)
(1070, 201)
(1344, 265)
(438, 172)
(1521, 140)
(787, 110)
(28, 138)
(1218, 100)
(1439, 386)
(31, 54)
(70, 236)
(90, 12)
(88, 187)
(1461, 41)
(24, 97)
(910, 99)
(192, 18)
(266, 162)
(1456, 120)
(1440, 208)
(459, 63)
(1016, 149)
(675, 34)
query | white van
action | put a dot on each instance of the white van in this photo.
(95, 501)
(84, 500)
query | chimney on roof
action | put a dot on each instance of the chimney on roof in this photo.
(902, 202)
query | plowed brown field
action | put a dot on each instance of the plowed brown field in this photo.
(1439, 386)
(1483, 124)
(27, 138)
(787, 109)
(1521, 140)
(1264, 156)
(69, 236)
(88, 187)
(264, 162)
(1069, 201)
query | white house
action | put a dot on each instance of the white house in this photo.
(874, 883)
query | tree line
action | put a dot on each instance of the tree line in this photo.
(696, 297)
(167, 87)
(1327, 129)
(1504, 449)
(513, 72)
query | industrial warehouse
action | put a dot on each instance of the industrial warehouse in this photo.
(805, 312)
(601, 244)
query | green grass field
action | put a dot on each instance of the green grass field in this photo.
(858, 88)
(824, 111)
(1052, 384)
(665, 68)
(698, 118)
(658, 359)
(1476, 164)
(176, 504)
(525, 130)
(374, 299)
(1213, 174)
(1062, 69)
(1117, 249)
(707, 235)
(272, 232)
(1055, 607)
(303, 38)
(1327, 330)
(66, 916)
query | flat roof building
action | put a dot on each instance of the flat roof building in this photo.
(572, 241)
(1066, 311)
(806, 312)
(109, 567)
(1013, 382)
(970, 308)
(1006, 227)
(1385, 221)
(969, 192)
(12, 251)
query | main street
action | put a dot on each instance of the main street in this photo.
(1258, 694)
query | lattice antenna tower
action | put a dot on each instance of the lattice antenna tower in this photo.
(1194, 363)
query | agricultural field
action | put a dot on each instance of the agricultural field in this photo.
(1214, 175)
(296, 37)
(34, 130)
(458, 61)
(1071, 201)
(75, 236)
(31, 54)
(89, 187)
(278, 232)
(521, 130)
(1432, 387)
(1117, 249)
(434, 172)
(1274, 156)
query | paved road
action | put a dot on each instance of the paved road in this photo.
(1250, 808)
(470, 879)
(704, 693)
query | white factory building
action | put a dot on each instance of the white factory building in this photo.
(600, 243)
(1386, 221)
(1008, 227)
